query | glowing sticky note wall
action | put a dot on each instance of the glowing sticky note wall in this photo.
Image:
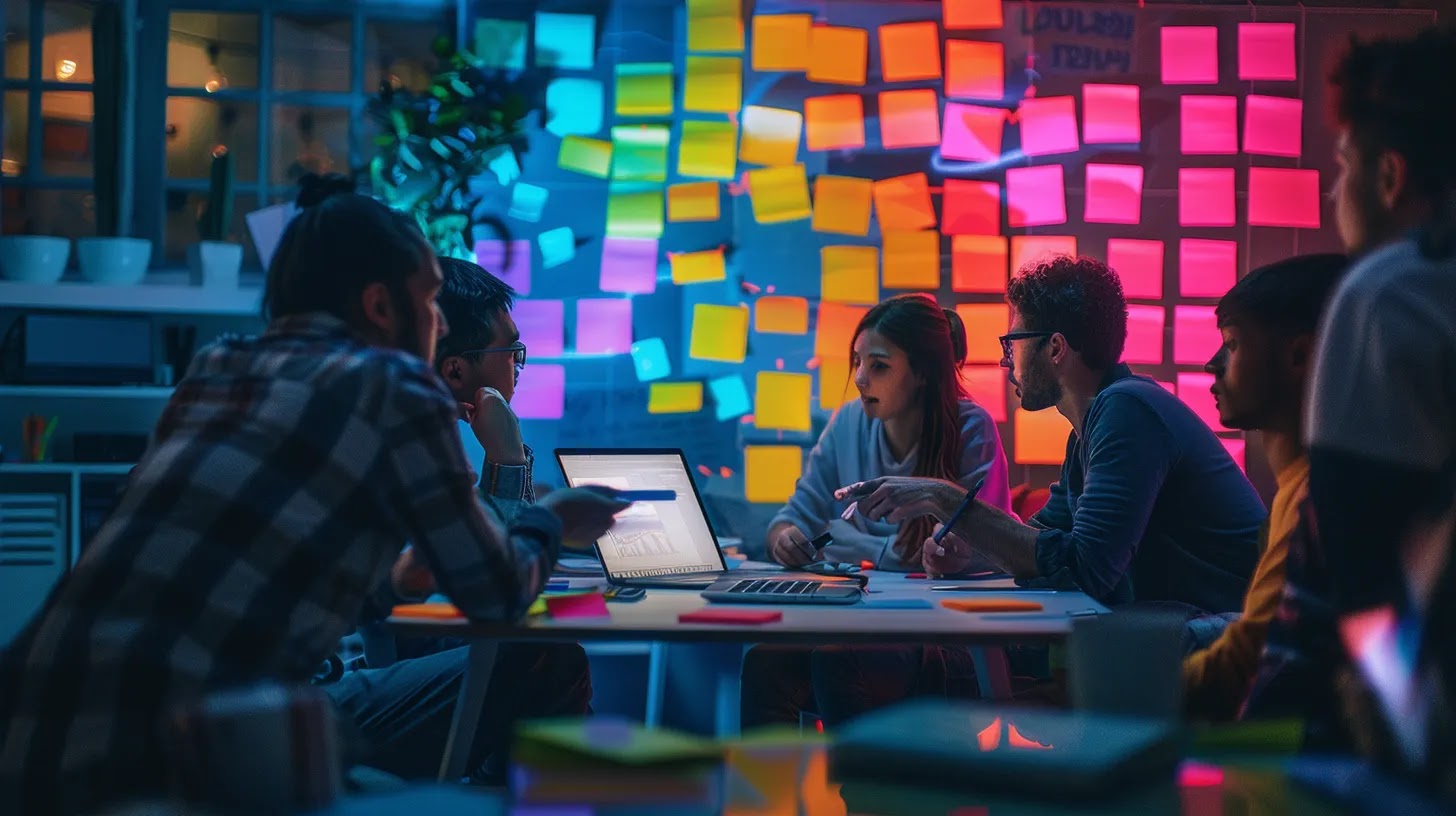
(644, 89)
(501, 43)
(542, 324)
(715, 25)
(1036, 196)
(972, 132)
(639, 152)
(838, 55)
(1145, 326)
(834, 122)
(541, 393)
(574, 106)
(912, 260)
(1266, 51)
(1208, 125)
(719, 333)
(837, 322)
(975, 70)
(909, 51)
(909, 118)
(1111, 114)
(557, 247)
(1027, 249)
(509, 262)
(1048, 125)
(1273, 126)
(987, 386)
(1189, 55)
(565, 40)
(592, 157)
(781, 42)
(1193, 390)
(650, 360)
(693, 201)
(1195, 334)
(781, 401)
(781, 314)
(730, 397)
(842, 204)
(849, 274)
(697, 267)
(713, 84)
(779, 194)
(971, 14)
(1207, 268)
(835, 389)
(978, 263)
(1236, 449)
(1040, 437)
(603, 325)
(1206, 196)
(1139, 263)
(985, 323)
(1114, 194)
(708, 150)
(770, 472)
(629, 265)
(675, 398)
(1284, 197)
(902, 203)
(970, 207)
(634, 212)
(770, 135)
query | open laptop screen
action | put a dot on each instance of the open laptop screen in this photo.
(650, 538)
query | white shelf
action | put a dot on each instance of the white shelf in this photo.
(157, 293)
(87, 391)
(64, 468)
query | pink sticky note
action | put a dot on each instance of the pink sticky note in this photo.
(1139, 263)
(542, 324)
(1206, 196)
(1236, 448)
(541, 393)
(1266, 51)
(1144, 334)
(1036, 196)
(1111, 114)
(1273, 126)
(515, 270)
(1114, 194)
(987, 386)
(970, 207)
(1193, 390)
(1208, 125)
(1190, 55)
(1207, 268)
(1284, 197)
(971, 132)
(584, 605)
(1195, 334)
(629, 265)
(1048, 125)
(603, 326)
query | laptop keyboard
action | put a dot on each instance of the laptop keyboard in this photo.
(763, 587)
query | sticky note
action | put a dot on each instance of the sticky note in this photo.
(639, 152)
(1284, 197)
(527, 202)
(565, 40)
(849, 274)
(1039, 437)
(838, 55)
(501, 162)
(1144, 335)
(975, 70)
(577, 605)
(1189, 55)
(1111, 114)
(713, 84)
(730, 397)
(501, 43)
(650, 360)
(434, 611)
(574, 106)
(697, 267)
(1114, 194)
(541, 323)
(909, 51)
(644, 89)
(912, 259)
(603, 325)
(1195, 334)
(909, 118)
(983, 605)
(978, 263)
(770, 472)
(837, 322)
(675, 398)
(1266, 51)
(693, 201)
(987, 386)
(715, 25)
(972, 133)
(1206, 196)
(781, 401)
(842, 204)
(1193, 390)
(781, 42)
(903, 203)
(1273, 126)
(1027, 249)
(708, 150)
(834, 385)
(1036, 196)
(1139, 263)
(719, 333)
(1048, 125)
(779, 194)
(1207, 268)
(970, 207)
(629, 265)
(511, 262)
(834, 122)
(985, 323)
(541, 393)
(781, 314)
(592, 157)
(634, 212)
(557, 247)
(968, 14)
(1235, 448)
(1208, 124)
(770, 135)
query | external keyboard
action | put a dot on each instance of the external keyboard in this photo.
(781, 591)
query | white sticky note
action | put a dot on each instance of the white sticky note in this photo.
(566, 40)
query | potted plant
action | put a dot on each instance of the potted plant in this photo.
(214, 261)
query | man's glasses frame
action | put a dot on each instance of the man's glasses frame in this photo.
(1007, 339)
(517, 349)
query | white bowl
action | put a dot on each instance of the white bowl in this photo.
(113, 261)
(33, 258)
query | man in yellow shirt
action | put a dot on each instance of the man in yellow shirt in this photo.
(1268, 320)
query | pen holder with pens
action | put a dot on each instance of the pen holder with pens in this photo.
(36, 432)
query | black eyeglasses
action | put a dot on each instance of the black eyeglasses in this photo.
(517, 349)
(1006, 340)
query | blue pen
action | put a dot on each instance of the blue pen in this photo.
(960, 511)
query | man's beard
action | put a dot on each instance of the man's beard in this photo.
(1039, 388)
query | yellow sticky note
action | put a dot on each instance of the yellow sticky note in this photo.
(781, 401)
(779, 194)
(675, 398)
(837, 323)
(1039, 437)
(912, 260)
(835, 389)
(719, 333)
(770, 472)
(770, 135)
(903, 203)
(849, 274)
(985, 323)
(634, 211)
(697, 267)
(715, 25)
(838, 55)
(781, 42)
(842, 205)
(693, 201)
(590, 156)
(714, 84)
(1028, 248)
(639, 152)
(644, 89)
(708, 150)
(781, 314)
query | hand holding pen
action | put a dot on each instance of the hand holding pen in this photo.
(900, 498)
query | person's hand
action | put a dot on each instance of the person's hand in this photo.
(900, 498)
(790, 547)
(496, 427)
(951, 556)
(410, 576)
(586, 513)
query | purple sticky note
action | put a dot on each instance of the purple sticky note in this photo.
(541, 393)
(515, 270)
(1266, 51)
(1144, 334)
(1208, 125)
(1048, 125)
(629, 265)
(1193, 390)
(603, 326)
(971, 132)
(1207, 268)
(1114, 194)
(1111, 114)
(1190, 55)
(1139, 262)
(1273, 125)
(1195, 334)
(1206, 196)
(1036, 196)
(541, 323)
(1284, 197)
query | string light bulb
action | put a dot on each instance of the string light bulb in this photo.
(65, 69)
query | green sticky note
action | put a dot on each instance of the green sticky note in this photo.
(590, 156)
(644, 89)
(708, 150)
(501, 43)
(639, 152)
(635, 211)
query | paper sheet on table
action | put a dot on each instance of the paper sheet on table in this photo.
(708, 150)
(693, 201)
(779, 194)
(719, 333)
(266, 228)
(639, 152)
(912, 259)
(713, 84)
(771, 471)
(781, 42)
(849, 274)
(781, 401)
(697, 267)
(644, 89)
(675, 398)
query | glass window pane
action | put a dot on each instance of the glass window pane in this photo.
(311, 54)
(197, 125)
(183, 209)
(308, 140)
(17, 39)
(17, 134)
(64, 213)
(212, 51)
(65, 55)
(65, 134)
(400, 54)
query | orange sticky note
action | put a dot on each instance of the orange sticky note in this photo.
(779, 194)
(719, 333)
(970, 207)
(903, 203)
(975, 70)
(770, 135)
(834, 122)
(985, 323)
(990, 605)
(781, 401)
(909, 118)
(838, 55)
(770, 472)
(693, 201)
(1029, 248)
(912, 260)
(972, 133)
(835, 388)
(781, 42)
(1040, 437)
(964, 14)
(429, 611)
(675, 398)
(978, 263)
(697, 267)
(837, 323)
(781, 314)
(849, 274)
(909, 51)
(713, 85)
(987, 386)
(842, 205)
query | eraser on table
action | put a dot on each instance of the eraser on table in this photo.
(577, 605)
(731, 616)
(990, 605)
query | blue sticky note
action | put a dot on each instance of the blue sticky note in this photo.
(574, 107)
(557, 246)
(649, 358)
(566, 40)
(730, 396)
(501, 43)
(527, 202)
(897, 603)
(504, 165)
